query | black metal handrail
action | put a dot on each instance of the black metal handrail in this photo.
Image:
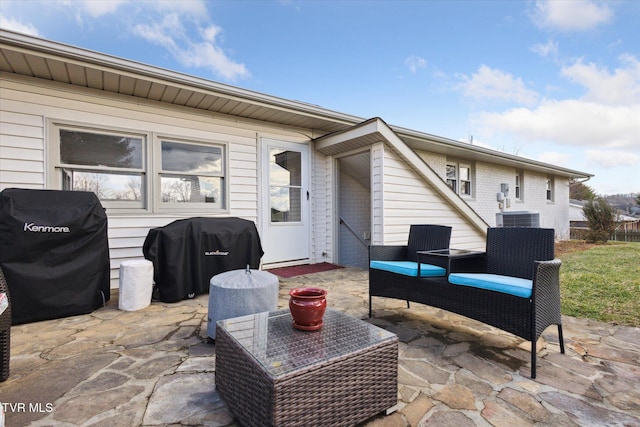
(360, 239)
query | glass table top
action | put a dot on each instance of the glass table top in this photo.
(271, 339)
(451, 252)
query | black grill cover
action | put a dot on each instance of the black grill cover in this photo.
(54, 253)
(187, 253)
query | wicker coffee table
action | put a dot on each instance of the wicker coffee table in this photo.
(271, 374)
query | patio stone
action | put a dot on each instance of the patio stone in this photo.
(104, 381)
(500, 415)
(566, 380)
(483, 369)
(472, 382)
(156, 366)
(79, 409)
(151, 368)
(587, 414)
(456, 396)
(448, 419)
(417, 409)
(425, 371)
(187, 399)
(526, 403)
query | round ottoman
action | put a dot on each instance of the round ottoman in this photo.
(240, 292)
(136, 284)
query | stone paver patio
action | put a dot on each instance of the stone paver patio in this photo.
(156, 367)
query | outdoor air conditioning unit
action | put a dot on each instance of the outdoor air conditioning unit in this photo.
(518, 219)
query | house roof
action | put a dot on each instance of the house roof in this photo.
(29, 56)
(376, 130)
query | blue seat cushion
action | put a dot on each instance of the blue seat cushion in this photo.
(494, 282)
(408, 268)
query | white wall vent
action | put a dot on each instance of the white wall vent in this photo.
(518, 219)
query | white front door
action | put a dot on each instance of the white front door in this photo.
(285, 213)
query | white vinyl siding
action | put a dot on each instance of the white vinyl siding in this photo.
(21, 148)
(407, 199)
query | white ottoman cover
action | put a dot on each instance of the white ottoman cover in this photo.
(136, 284)
(240, 292)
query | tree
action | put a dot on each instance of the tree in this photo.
(580, 191)
(601, 218)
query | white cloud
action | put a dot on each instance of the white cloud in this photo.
(97, 9)
(570, 122)
(546, 50)
(414, 63)
(17, 26)
(604, 123)
(183, 28)
(622, 87)
(612, 158)
(554, 158)
(170, 33)
(571, 15)
(490, 83)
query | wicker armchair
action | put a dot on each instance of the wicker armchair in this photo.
(521, 254)
(422, 237)
(5, 331)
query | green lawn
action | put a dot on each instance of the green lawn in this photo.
(602, 283)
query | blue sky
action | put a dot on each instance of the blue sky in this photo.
(556, 81)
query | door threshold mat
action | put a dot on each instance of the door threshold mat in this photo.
(299, 270)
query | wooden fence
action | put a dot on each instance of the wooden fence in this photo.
(579, 233)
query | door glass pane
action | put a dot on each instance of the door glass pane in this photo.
(285, 180)
(285, 204)
(95, 149)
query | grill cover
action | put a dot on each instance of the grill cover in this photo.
(187, 253)
(54, 253)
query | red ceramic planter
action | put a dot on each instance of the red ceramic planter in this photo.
(307, 306)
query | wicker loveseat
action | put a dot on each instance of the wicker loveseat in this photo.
(5, 331)
(513, 286)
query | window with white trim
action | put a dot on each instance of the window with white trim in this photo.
(110, 164)
(518, 194)
(460, 178)
(117, 167)
(549, 186)
(191, 173)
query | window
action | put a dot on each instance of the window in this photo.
(550, 189)
(117, 168)
(459, 178)
(518, 187)
(191, 173)
(285, 185)
(109, 164)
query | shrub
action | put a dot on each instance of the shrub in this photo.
(601, 218)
